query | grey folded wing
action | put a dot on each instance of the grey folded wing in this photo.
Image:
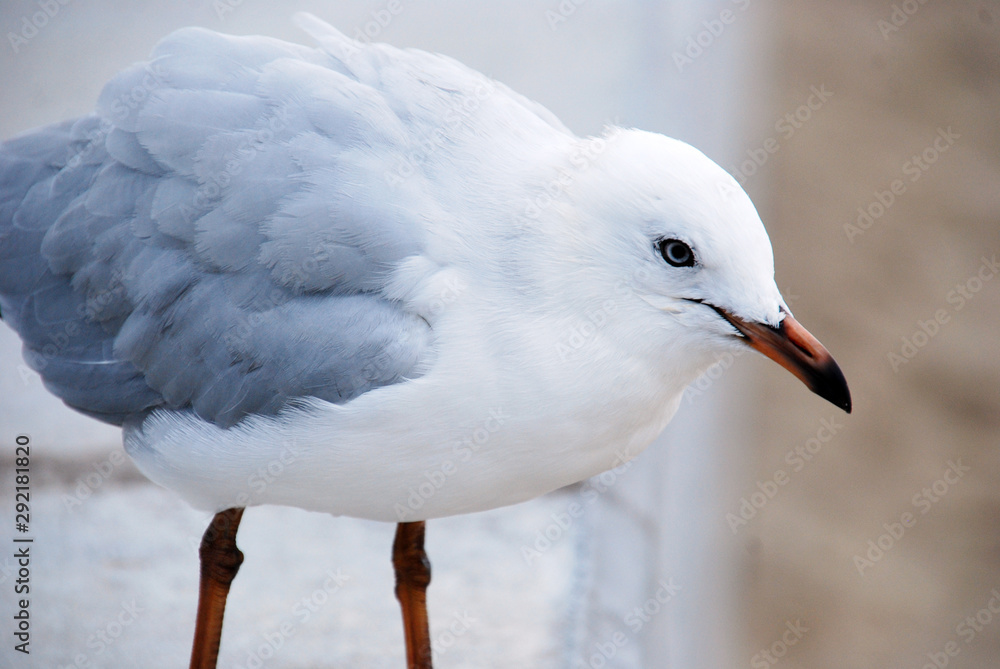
(216, 238)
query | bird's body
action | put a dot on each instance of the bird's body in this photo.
(372, 282)
(263, 255)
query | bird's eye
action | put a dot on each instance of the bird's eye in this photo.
(676, 253)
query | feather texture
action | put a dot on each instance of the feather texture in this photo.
(219, 234)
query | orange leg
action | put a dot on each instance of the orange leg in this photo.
(220, 560)
(413, 575)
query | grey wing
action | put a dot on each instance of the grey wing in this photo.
(216, 238)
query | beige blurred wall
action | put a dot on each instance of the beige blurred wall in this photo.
(902, 76)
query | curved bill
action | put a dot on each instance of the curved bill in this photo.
(794, 348)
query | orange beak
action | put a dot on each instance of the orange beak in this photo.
(794, 348)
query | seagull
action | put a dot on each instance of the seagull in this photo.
(410, 285)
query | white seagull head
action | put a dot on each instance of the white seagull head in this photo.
(684, 239)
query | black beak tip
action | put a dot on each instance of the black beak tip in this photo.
(794, 348)
(831, 385)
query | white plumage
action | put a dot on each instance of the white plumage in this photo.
(411, 288)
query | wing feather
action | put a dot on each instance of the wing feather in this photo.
(219, 235)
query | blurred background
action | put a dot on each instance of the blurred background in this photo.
(765, 527)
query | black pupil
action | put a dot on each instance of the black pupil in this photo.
(676, 253)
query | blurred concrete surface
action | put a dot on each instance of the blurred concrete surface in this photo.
(114, 580)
